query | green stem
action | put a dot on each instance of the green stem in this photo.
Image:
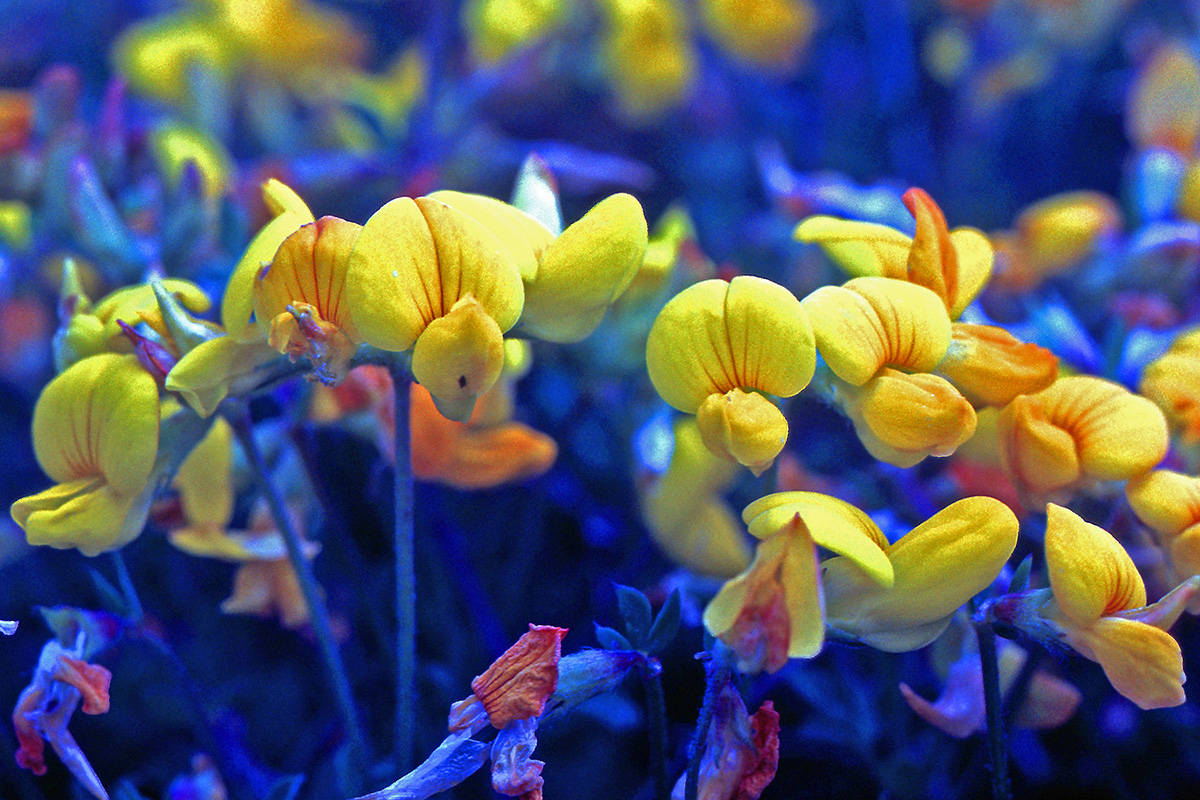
(308, 583)
(658, 737)
(406, 581)
(133, 603)
(718, 676)
(997, 752)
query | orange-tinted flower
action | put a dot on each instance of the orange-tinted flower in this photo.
(1053, 236)
(1164, 102)
(298, 298)
(741, 752)
(990, 366)
(1079, 430)
(517, 684)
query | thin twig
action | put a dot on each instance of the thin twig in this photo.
(406, 581)
(718, 676)
(997, 751)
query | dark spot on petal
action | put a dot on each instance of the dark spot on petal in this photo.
(462, 381)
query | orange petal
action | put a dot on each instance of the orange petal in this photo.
(518, 683)
(990, 366)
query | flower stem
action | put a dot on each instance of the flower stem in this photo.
(997, 752)
(718, 676)
(133, 603)
(658, 737)
(406, 581)
(242, 428)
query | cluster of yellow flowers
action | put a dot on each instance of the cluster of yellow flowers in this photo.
(442, 277)
(915, 381)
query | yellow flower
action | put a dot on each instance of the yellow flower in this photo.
(287, 39)
(214, 369)
(265, 583)
(648, 53)
(1164, 102)
(1099, 607)
(570, 280)
(497, 28)
(89, 329)
(1081, 429)
(1172, 381)
(1169, 503)
(767, 33)
(1052, 236)
(426, 276)
(955, 265)
(237, 304)
(937, 567)
(175, 145)
(684, 511)
(870, 323)
(714, 343)
(95, 433)
(775, 610)
(903, 418)
(298, 298)
(990, 366)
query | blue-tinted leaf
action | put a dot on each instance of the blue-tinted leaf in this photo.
(610, 639)
(665, 626)
(636, 611)
(1020, 578)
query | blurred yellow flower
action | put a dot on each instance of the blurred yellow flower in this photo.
(1080, 429)
(175, 145)
(1169, 503)
(954, 265)
(715, 345)
(1172, 381)
(685, 513)
(1099, 608)
(1163, 108)
(498, 28)
(571, 279)
(775, 609)
(767, 33)
(1052, 236)
(95, 433)
(649, 54)
(937, 567)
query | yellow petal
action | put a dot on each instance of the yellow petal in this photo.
(584, 270)
(870, 323)
(1172, 382)
(204, 479)
(685, 515)
(309, 267)
(990, 366)
(768, 33)
(1090, 573)
(903, 418)
(932, 261)
(801, 578)
(1165, 500)
(860, 248)
(1164, 101)
(831, 523)
(1118, 434)
(415, 259)
(156, 57)
(715, 336)
(746, 428)
(938, 566)
(976, 259)
(238, 301)
(85, 513)
(99, 418)
(1141, 662)
(1037, 455)
(523, 236)
(175, 145)
(1060, 231)
(458, 357)
(205, 376)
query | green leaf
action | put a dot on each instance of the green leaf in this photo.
(636, 611)
(1020, 578)
(665, 626)
(610, 639)
(286, 788)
